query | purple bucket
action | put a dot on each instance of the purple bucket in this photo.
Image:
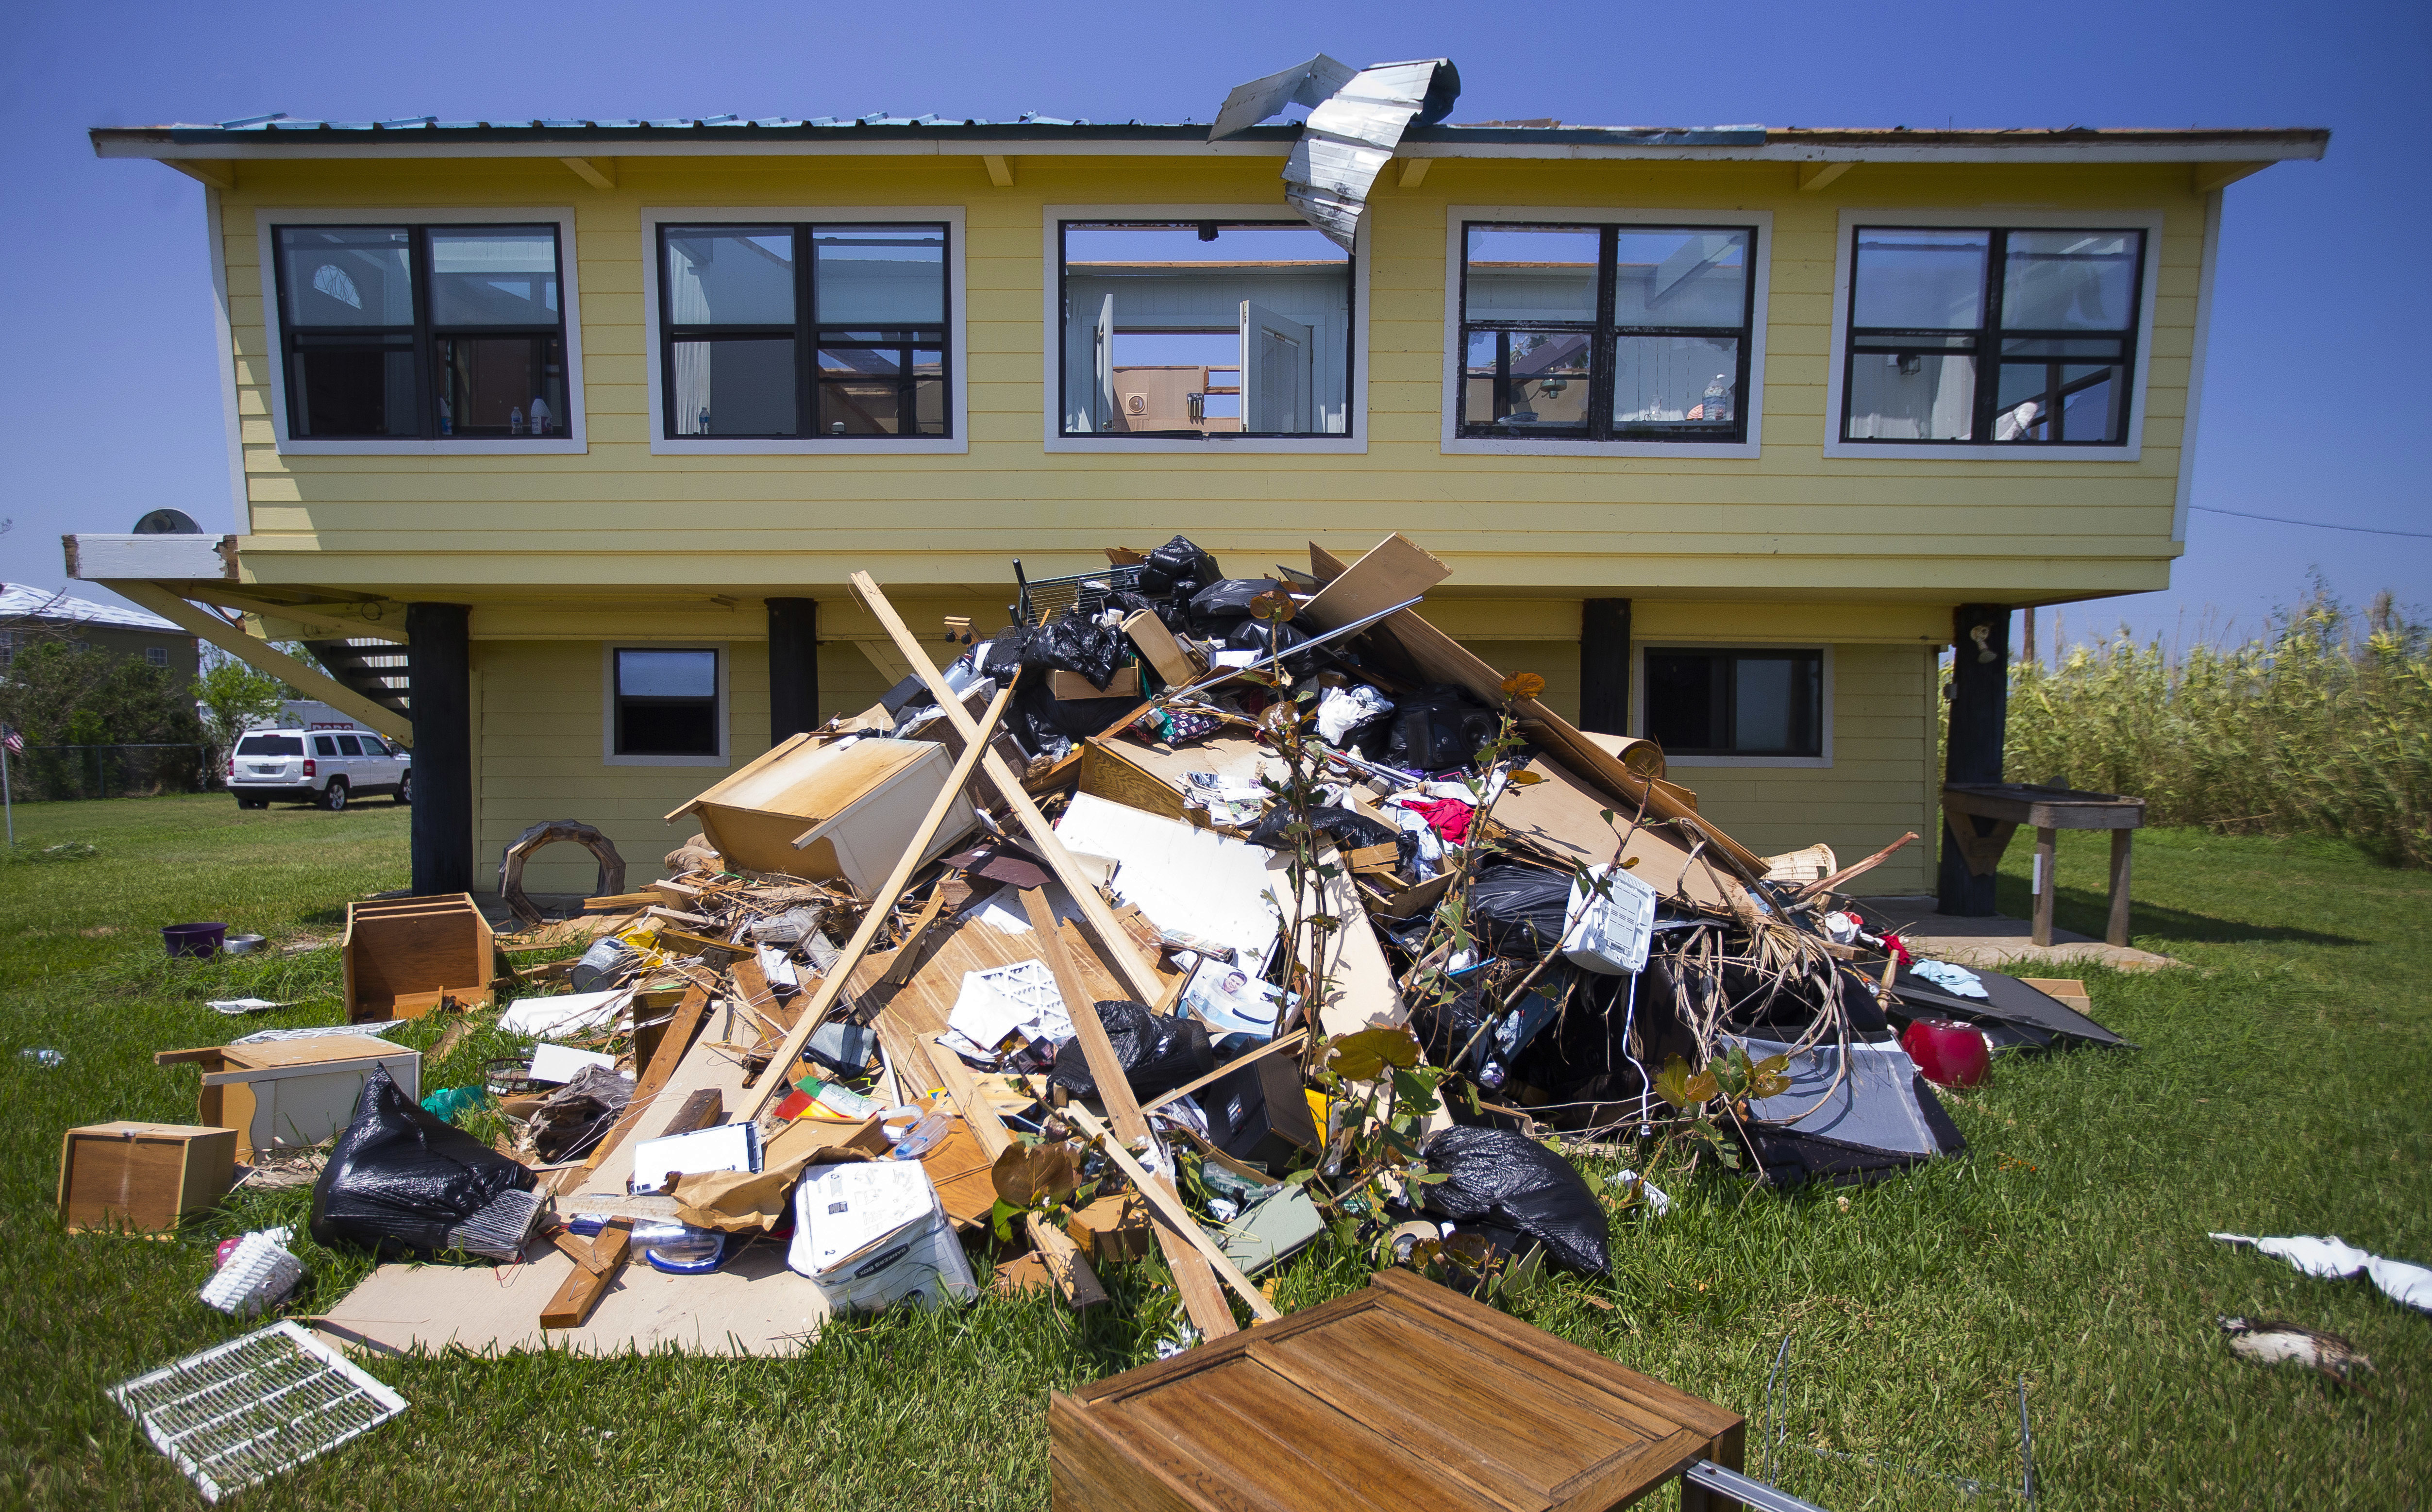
(194, 939)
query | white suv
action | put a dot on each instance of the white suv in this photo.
(324, 767)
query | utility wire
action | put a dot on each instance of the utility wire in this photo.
(2316, 524)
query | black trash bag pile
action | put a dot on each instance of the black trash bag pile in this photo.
(1438, 729)
(1220, 608)
(1072, 642)
(1349, 831)
(1521, 909)
(1178, 568)
(1510, 1189)
(1158, 1052)
(399, 1180)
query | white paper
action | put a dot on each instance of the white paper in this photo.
(2335, 1259)
(233, 1007)
(726, 1147)
(1022, 999)
(549, 1018)
(560, 1065)
(843, 1213)
(1182, 878)
(777, 969)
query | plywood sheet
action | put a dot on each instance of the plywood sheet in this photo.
(753, 1305)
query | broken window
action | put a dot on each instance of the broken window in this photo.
(428, 332)
(803, 331)
(1606, 333)
(1766, 702)
(2007, 336)
(1194, 328)
(665, 701)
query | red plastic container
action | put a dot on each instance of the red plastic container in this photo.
(1950, 1054)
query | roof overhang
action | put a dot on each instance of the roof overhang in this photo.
(678, 138)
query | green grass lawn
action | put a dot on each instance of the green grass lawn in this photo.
(2278, 1090)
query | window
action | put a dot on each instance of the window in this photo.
(446, 333)
(1194, 329)
(350, 745)
(156, 656)
(1606, 333)
(325, 745)
(2016, 337)
(1766, 702)
(271, 745)
(803, 331)
(664, 701)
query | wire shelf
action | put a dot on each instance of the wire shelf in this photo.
(241, 1411)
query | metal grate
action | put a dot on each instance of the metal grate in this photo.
(1042, 598)
(241, 1413)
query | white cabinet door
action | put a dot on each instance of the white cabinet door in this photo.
(1278, 372)
(1102, 361)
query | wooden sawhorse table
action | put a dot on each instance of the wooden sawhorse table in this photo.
(2008, 804)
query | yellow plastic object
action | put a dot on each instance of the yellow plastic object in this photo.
(1321, 1109)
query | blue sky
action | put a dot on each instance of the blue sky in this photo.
(2315, 406)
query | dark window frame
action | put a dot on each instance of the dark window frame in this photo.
(809, 336)
(1064, 348)
(1603, 334)
(1817, 717)
(422, 337)
(1987, 338)
(618, 698)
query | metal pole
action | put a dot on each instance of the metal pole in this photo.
(8, 799)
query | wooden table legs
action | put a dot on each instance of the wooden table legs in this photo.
(2117, 932)
(2046, 855)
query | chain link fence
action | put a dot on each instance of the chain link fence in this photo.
(48, 774)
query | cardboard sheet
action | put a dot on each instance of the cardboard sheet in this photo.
(1181, 877)
(752, 1305)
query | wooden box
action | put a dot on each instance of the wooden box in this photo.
(288, 1093)
(144, 1177)
(403, 955)
(1402, 1395)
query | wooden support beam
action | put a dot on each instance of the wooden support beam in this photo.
(1815, 175)
(1000, 169)
(599, 173)
(268, 658)
(2203, 177)
(873, 918)
(1176, 1220)
(216, 173)
(579, 1295)
(313, 618)
(1066, 1266)
(1415, 171)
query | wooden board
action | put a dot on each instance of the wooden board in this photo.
(397, 952)
(1394, 570)
(1401, 1395)
(1563, 819)
(1153, 777)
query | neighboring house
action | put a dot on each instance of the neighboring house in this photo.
(31, 617)
(1725, 432)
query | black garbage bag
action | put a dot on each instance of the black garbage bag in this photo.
(1159, 1052)
(1178, 567)
(400, 1179)
(1451, 1031)
(1438, 729)
(1349, 831)
(1521, 909)
(1506, 1184)
(1075, 643)
(1220, 607)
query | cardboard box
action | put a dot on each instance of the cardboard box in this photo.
(144, 1177)
(871, 1236)
(401, 956)
(859, 801)
(286, 1093)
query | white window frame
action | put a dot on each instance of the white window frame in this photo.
(958, 331)
(1051, 383)
(1824, 714)
(1452, 443)
(573, 443)
(155, 657)
(608, 756)
(1844, 270)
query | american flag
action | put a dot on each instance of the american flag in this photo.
(14, 742)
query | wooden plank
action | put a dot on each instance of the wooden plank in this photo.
(673, 1043)
(907, 954)
(1394, 570)
(581, 1290)
(1066, 1264)
(1271, 1048)
(620, 902)
(873, 918)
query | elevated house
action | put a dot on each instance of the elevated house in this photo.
(32, 615)
(1725, 432)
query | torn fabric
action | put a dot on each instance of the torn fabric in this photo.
(2334, 1259)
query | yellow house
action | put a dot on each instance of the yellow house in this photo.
(1721, 432)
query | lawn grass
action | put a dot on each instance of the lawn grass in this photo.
(2276, 1090)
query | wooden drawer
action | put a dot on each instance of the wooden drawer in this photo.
(144, 1177)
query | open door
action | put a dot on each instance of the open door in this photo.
(1102, 361)
(1278, 376)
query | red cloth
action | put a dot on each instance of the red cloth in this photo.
(1449, 817)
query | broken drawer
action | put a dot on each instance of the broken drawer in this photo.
(1402, 1395)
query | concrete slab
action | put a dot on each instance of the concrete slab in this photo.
(1999, 942)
